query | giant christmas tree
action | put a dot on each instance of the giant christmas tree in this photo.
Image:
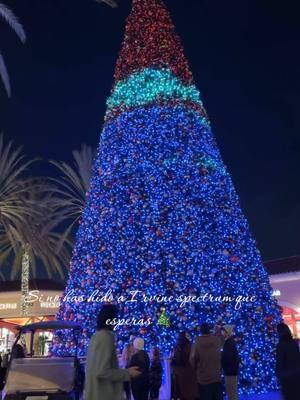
(162, 216)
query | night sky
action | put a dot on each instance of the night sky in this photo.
(245, 59)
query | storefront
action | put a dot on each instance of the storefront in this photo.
(285, 280)
(43, 303)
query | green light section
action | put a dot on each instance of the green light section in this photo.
(151, 85)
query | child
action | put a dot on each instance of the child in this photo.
(155, 374)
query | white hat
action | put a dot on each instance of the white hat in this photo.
(138, 344)
(228, 329)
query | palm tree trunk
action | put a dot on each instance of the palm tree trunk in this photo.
(25, 280)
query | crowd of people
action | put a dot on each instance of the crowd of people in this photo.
(197, 368)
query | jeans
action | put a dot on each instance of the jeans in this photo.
(231, 383)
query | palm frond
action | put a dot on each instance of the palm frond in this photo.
(30, 214)
(15, 24)
(13, 21)
(41, 232)
(13, 184)
(74, 183)
(84, 160)
(4, 76)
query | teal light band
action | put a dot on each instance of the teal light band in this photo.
(149, 85)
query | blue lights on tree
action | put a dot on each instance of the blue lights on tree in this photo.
(162, 216)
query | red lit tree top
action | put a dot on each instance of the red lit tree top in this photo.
(151, 41)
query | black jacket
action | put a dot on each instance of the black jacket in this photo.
(230, 358)
(181, 353)
(287, 360)
(141, 360)
(156, 374)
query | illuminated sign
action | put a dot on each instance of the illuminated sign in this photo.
(47, 304)
(276, 293)
(8, 306)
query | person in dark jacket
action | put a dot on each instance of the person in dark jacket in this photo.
(18, 351)
(206, 359)
(185, 382)
(230, 362)
(288, 363)
(155, 374)
(140, 359)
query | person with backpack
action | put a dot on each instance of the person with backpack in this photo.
(185, 383)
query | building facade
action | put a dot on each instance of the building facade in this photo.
(43, 302)
(285, 281)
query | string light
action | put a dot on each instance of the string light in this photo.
(25, 280)
(150, 85)
(151, 41)
(162, 216)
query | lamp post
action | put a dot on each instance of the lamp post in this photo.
(25, 280)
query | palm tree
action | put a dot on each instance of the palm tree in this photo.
(37, 241)
(74, 183)
(39, 235)
(13, 21)
(30, 216)
(13, 209)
